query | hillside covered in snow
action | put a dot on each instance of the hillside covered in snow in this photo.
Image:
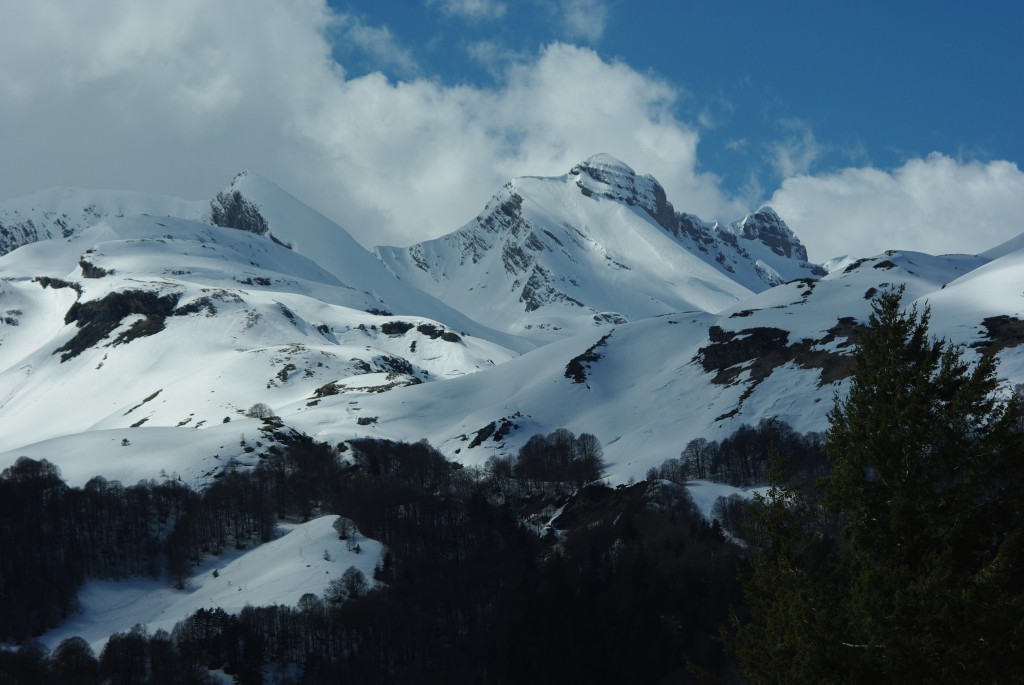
(186, 344)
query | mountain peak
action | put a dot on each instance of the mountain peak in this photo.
(231, 209)
(604, 162)
(766, 226)
(767, 213)
(606, 176)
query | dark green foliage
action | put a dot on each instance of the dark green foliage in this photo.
(469, 595)
(73, 661)
(929, 475)
(27, 665)
(786, 632)
(40, 558)
(408, 464)
(925, 581)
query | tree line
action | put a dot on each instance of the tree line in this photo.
(465, 592)
(55, 537)
(743, 458)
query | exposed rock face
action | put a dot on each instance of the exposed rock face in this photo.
(759, 351)
(759, 245)
(766, 226)
(230, 210)
(64, 212)
(607, 177)
(735, 249)
(14, 234)
(549, 254)
(98, 318)
(1001, 332)
(19, 227)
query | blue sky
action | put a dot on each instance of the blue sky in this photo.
(867, 125)
(834, 83)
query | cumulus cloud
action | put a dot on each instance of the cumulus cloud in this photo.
(177, 97)
(445, 150)
(936, 204)
(161, 97)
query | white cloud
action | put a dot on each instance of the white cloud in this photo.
(795, 153)
(585, 19)
(475, 10)
(936, 204)
(444, 151)
(379, 43)
(177, 97)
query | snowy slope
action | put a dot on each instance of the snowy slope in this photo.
(600, 245)
(258, 203)
(267, 311)
(278, 572)
(655, 384)
(225, 319)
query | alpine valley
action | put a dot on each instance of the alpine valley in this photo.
(138, 331)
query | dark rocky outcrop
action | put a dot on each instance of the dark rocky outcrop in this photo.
(231, 210)
(1001, 332)
(760, 350)
(98, 318)
(577, 368)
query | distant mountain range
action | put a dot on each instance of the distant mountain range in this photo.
(584, 301)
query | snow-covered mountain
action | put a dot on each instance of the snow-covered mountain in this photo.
(646, 388)
(160, 328)
(167, 323)
(597, 246)
(136, 331)
(61, 212)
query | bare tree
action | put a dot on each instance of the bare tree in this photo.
(260, 410)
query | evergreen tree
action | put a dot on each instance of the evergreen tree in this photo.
(788, 631)
(927, 470)
(926, 583)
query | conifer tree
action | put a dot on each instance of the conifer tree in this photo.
(789, 633)
(926, 581)
(927, 472)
